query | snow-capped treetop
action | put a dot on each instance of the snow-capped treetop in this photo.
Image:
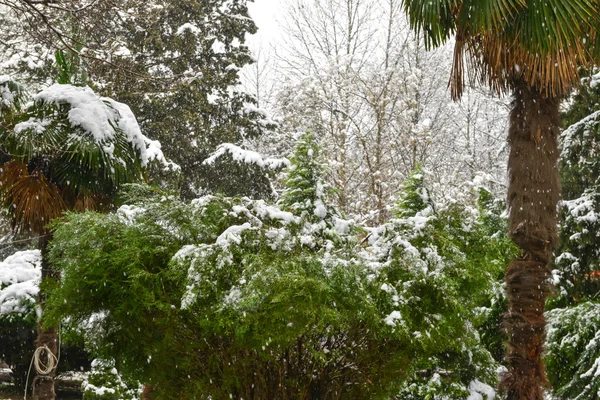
(307, 193)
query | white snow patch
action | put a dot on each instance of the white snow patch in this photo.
(392, 318)
(187, 27)
(244, 156)
(99, 116)
(232, 234)
(477, 391)
(20, 275)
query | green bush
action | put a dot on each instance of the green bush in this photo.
(232, 297)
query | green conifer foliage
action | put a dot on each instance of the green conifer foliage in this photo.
(233, 297)
(572, 344)
(306, 193)
(414, 197)
(105, 383)
(573, 351)
(248, 307)
(577, 258)
(180, 63)
(580, 162)
(446, 265)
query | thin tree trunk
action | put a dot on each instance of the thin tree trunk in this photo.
(43, 387)
(147, 393)
(533, 194)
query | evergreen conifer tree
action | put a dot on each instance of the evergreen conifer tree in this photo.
(573, 340)
(306, 193)
(414, 197)
(185, 57)
(577, 257)
(105, 383)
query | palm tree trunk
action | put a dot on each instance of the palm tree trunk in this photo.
(43, 386)
(533, 194)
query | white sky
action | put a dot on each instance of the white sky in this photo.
(265, 14)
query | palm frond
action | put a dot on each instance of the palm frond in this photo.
(478, 16)
(435, 19)
(32, 137)
(32, 199)
(13, 96)
(542, 44)
(548, 25)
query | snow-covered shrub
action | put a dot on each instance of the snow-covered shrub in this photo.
(577, 268)
(105, 383)
(573, 351)
(577, 260)
(20, 274)
(439, 269)
(233, 297)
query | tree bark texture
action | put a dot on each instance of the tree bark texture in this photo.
(43, 385)
(533, 194)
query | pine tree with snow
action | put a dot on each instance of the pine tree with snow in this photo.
(573, 342)
(414, 197)
(105, 383)
(444, 264)
(306, 193)
(580, 166)
(573, 351)
(577, 267)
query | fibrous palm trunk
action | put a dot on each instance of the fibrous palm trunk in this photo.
(43, 387)
(533, 194)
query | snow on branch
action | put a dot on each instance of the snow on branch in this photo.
(19, 281)
(187, 27)
(245, 156)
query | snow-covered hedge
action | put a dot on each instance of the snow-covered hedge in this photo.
(233, 297)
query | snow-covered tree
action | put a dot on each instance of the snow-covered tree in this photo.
(440, 266)
(176, 64)
(573, 351)
(105, 383)
(351, 72)
(68, 149)
(20, 275)
(191, 100)
(577, 257)
(306, 194)
(572, 343)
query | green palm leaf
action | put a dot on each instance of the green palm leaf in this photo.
(12, 96)
(554, 24)
(435, 19)
(477, 16)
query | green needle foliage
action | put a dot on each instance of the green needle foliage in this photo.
(573, 351)
(105, 383)
(577, 258)
(572, 343)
